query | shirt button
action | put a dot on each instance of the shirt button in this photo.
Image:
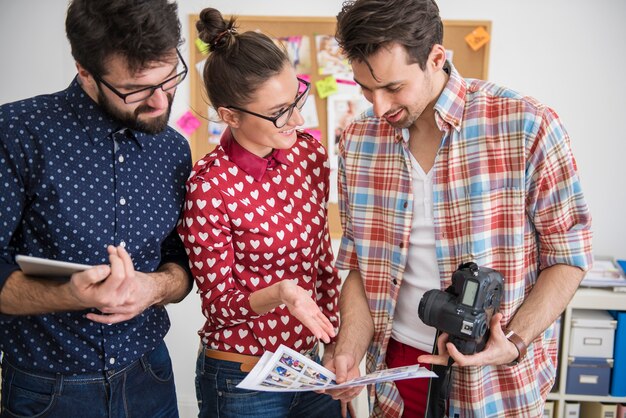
(401, 245)
(112, 360)
(406, 205)
(120, 158)
(123, 244)
(122, 201)
(395, 282)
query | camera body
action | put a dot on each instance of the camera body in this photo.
(465, 309)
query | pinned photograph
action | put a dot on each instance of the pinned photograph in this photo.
(330, 59)
(342, 109)
(299, 50)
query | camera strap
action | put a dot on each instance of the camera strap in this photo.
(439, 388)
(439, 392)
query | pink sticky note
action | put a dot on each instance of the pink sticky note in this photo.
(188, 123)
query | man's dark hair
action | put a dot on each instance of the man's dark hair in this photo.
(364, 26)
(142, 31)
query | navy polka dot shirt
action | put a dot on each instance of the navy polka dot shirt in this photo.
(73, 181)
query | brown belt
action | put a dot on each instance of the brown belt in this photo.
(247, 362)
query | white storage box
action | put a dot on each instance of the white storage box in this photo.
(592, 333)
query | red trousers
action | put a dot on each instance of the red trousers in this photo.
(414, 392)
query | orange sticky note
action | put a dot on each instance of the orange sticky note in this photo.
(477, 38)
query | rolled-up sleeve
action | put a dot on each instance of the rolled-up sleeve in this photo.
(555, 200)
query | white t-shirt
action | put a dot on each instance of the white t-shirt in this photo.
(421, 272)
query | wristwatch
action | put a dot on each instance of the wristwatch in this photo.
(521, 346)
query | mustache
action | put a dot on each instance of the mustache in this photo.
(145, 108)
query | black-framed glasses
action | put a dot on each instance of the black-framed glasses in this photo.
(144, 93)
(284, 115)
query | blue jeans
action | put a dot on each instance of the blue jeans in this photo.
(145, 388)
(219, 398)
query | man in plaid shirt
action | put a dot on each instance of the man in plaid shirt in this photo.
(444, 170)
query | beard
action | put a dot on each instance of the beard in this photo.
(407, 120)
(413, 111)
(131, 119)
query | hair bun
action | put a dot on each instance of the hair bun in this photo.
(222, 38)
(214, 30)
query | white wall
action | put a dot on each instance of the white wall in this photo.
(563, 52)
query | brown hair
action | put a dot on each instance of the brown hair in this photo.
(364, 26)
(238, 63)
(142, 31)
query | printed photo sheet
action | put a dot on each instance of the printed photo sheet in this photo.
(287, 370)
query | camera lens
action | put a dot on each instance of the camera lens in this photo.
(422, 307)
(431, 306)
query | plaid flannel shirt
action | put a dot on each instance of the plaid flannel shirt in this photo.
(506, 195)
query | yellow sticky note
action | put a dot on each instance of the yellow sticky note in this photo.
(202, 47)
(326, 86)
(477, 38)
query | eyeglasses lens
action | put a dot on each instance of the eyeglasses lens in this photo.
(166, 86)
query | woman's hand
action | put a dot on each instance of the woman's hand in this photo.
(301, 305)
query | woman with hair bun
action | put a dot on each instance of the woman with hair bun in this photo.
(255, 228)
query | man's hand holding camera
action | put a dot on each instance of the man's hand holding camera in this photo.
(498, 350)
(466, 315)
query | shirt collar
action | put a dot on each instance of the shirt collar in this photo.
(97, 124)
(252, 164)
(451, 103)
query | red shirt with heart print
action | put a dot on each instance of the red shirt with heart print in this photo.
(249, 222)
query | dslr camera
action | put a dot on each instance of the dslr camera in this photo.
(465, 309)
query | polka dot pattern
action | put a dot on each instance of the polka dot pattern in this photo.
(242, 235)
(73, 182)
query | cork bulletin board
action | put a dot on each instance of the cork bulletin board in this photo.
(470, 63)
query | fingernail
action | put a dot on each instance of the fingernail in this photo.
(103, 269)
